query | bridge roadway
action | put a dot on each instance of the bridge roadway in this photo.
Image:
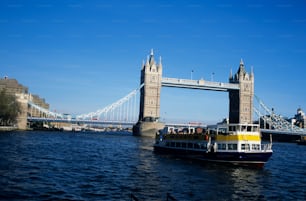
(198, 84)
(131, 123)
(82, 121)
(105, 122)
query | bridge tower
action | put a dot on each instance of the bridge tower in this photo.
(151, 75)
(149, 112)
(241, 101)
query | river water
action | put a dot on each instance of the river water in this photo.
(112, 166)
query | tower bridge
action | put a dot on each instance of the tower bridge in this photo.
(141, 107)
(240, 89)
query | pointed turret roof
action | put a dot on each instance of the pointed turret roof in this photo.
(160, 66)
(252, 71)
(241, 62)
(231, 74)
(241, 67)
(151, 61)
(147, 62)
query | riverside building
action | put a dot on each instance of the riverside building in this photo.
(12, 87)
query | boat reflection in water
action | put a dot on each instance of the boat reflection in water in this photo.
(238, 144)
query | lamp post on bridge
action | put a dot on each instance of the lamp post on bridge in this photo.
(191, 74)
(212, 76)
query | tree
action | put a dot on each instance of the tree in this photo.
(10, 108)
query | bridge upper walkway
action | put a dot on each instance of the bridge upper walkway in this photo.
(198, 84)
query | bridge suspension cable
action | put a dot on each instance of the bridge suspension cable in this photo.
(125, 109)
(44, 111)
(274, 120)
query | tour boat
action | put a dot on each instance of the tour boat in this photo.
(238, 144)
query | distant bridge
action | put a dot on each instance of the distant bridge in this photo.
(124, 111)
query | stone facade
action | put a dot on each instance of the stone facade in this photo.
(22, 118)
(241, 101)
(12, 87)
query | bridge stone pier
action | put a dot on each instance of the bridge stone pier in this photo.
(240, 89)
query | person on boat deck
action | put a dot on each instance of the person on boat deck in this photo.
(206, 136)
(212, 148)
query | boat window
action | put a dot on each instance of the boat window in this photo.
(255, 147)
(221, 130)
(167, 144)
(232, 128)
(249, 128)
(190, 145)
(183, 144)
(245, 147)
(222, 146)
(196, 146)
(172, 144)
(178, 144)
(232, 146)
(243, 128)
(255, 128)
(203, 146)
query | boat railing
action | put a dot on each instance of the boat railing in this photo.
(186, 137)
(239, 127)
(266, 147)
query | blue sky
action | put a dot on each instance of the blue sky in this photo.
(83, 55)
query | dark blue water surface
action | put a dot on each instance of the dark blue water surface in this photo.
(111, 166)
